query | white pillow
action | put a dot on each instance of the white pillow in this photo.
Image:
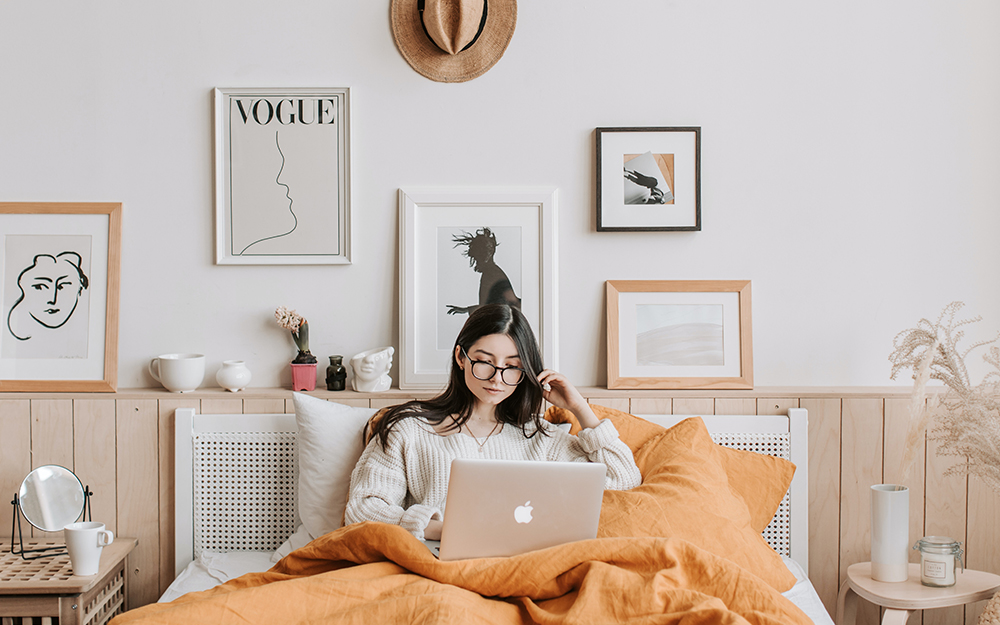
(329, 443)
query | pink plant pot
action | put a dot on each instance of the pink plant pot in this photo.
(304, 377)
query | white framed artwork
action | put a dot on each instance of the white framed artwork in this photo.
(464, 247)
(679, 334)
(282, 176)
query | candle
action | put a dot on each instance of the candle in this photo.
(937, 560)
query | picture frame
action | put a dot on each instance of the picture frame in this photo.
(60, 271)
(649, 179)
(452, 242)
(679, 334)
(282, 176)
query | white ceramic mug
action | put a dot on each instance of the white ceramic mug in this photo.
(178, 373)
(85, 541)
(890, 532)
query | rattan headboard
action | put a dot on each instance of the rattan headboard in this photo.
(236, 477)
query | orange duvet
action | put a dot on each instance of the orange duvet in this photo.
(377, 573)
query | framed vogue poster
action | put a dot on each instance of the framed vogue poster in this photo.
(679, 334)
(59, 279)
(462, 248)
(282, 176)
(648, 179)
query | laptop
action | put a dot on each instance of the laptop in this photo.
(508, 507)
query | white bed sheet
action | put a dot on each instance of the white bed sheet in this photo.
(213, 569)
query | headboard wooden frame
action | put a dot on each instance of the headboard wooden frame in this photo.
(236, 475)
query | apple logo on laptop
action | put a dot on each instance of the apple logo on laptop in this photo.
(522, 514)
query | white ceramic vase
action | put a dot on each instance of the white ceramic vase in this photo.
(890, 532)
(233, 375)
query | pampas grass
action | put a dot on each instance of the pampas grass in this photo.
(965, 420)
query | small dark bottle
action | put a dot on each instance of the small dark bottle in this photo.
(336, 374)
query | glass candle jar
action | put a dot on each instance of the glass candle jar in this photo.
(937, 560)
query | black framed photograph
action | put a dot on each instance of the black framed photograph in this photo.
(461, 248)
(649, 179)
(282, 176)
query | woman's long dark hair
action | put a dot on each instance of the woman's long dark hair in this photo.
(521, 408)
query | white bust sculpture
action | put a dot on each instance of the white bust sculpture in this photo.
(371, 370)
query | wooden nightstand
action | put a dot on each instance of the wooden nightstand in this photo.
(902, 598)
(46, 588)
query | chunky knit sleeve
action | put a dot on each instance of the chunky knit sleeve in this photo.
(599, 444)
(379, 487)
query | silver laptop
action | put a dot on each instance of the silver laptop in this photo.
(509, 507)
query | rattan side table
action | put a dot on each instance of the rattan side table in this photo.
(902, 598)
(46, 589)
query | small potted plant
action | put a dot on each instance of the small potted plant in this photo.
(304, 364)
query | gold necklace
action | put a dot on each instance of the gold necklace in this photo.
(487, 439)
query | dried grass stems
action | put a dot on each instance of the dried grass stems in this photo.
(966, 418)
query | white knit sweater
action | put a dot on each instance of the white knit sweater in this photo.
(407, 483)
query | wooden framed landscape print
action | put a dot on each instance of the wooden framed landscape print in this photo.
(59, 279)
(461, 248)
(282, 176)
(648, 179)
(679, 334)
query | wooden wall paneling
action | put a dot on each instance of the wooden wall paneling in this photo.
(357, 403)
(618, 403)
(52, 432)
(229, 405)
(861, 467)
(651, 405)
(378, 403)
(258, 405)
(982, 548)
(95, 447)
(51, 440)
(138, 498)
(15, 454)
(735, 405)
(694, 405)
(945, 510)
(165, 462)
(775, 405)
(824, 498)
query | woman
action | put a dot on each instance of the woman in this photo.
(490, 409)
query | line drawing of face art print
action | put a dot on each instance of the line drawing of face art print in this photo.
(285, 191)
(477, 266)
(46, 296)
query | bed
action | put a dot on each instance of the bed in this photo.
(251, 489)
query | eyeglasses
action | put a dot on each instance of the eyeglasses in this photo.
(482, 370)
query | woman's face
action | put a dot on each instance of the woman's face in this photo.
(498, 350)
(51, 291)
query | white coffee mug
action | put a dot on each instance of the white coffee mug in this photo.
(178, 373)
(85, 541)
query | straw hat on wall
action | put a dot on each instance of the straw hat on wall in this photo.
(452, 40)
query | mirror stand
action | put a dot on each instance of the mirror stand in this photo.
(41, 552)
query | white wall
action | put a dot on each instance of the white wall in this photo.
(850, 161)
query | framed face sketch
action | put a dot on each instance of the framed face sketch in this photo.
(59, 277)
(648, 179)
(282, 176)
(679, 334)
(462, 248)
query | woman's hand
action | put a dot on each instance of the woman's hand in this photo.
(433, 530)
(559, 392)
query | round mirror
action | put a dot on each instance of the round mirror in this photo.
(51, 497)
